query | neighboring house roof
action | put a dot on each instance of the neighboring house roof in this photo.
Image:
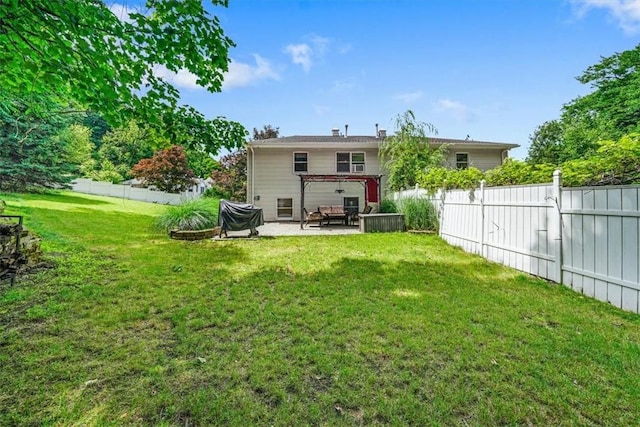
(363, 141)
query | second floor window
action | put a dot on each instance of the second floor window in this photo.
(300, 162)
(350, 162)
(462, 160)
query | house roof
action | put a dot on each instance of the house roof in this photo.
(363, 140)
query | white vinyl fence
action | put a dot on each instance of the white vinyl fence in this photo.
(123, 191)
(586, 238)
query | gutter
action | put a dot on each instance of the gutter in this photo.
(253, 164)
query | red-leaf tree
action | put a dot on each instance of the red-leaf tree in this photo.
(167, 170)
(230, 181)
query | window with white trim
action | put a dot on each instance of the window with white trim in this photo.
(285, 208)
(300, 162)
(350, 162)
(462, 160)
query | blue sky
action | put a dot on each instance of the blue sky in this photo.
(492, 69)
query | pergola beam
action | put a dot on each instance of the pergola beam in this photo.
(307, 178)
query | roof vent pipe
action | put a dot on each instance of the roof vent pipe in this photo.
(335, 132)
(346, 130)
(377, 133)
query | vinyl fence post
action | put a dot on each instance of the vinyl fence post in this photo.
(440, 203)
(482, 183)
(557, 230)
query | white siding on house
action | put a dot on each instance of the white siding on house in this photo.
(478, 158)
(274, 178)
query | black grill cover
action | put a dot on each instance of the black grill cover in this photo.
(239, 216)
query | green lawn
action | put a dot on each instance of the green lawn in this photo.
(133, 328)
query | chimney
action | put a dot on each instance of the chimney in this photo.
(377, 132)
(335, 132)
(382, 133)
(346, 130)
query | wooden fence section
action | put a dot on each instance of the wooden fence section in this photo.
(585, 238)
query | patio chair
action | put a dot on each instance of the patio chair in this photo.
(312, 217)
(354, 217)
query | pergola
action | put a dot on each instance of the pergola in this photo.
(371, 184)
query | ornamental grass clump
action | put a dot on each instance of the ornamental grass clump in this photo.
(419, 213)
(196, 214)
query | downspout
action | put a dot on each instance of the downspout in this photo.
(253, 173)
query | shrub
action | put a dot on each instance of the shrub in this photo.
(196, 214)
(435, 178)
(419, 213)
(388, 206)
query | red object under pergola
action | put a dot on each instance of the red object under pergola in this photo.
(372, 187)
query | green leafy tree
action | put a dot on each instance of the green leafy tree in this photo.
(201, 162)
(31, 152)
(78, 147)
(615, 99)
(167, 170)
(614, 163)
(108, 172)
(546, 143)
(406, 153)
(609, 112)
(125, 146)
(117, 65)
(99, 127)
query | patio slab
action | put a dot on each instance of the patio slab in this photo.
(274, 229)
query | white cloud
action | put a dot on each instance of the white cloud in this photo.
(300, 54)
(320, 44)
(241, 74)
(313, 48)
(122, 11)
(409, 98)
(182, 79)
(625, 12)
(457, 109)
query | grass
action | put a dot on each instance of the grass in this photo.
(132, 328)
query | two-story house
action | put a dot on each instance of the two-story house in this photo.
(290, 173)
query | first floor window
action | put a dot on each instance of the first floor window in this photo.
(285, 208)
(300, 162)
(462, 160)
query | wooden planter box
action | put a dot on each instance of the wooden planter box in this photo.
(381, 222)
(207, 233)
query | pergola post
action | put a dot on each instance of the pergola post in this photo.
(301, 202)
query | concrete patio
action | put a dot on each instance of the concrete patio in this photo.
(273, 229)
